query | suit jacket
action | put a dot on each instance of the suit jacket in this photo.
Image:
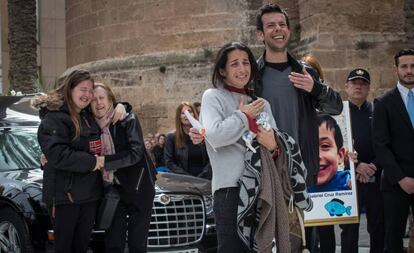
(393, 136)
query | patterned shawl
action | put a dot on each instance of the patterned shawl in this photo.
(264, 225)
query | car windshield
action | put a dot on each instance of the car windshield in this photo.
(19, 148)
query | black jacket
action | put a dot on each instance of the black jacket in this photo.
(176, 159)
(129, 161)
(393, 139)
(68, 175)
(361, 125)
(321, 98)
(158, 152)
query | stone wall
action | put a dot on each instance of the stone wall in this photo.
(155, 53)
(158, 53)
(348, 34)
(409, 24)
(105, 29)
(154, 84)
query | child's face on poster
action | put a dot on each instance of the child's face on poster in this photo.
(329, 156)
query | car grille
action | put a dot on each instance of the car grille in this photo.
(176, 220)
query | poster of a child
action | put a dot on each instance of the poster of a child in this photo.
(334, 195)
(332, 174)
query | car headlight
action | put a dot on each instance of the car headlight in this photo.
(208, 202)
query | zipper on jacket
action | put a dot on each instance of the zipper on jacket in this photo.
(86, 121)
(68, 188)
(70, 197)
(140, 176)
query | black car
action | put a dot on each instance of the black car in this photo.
(182, 217)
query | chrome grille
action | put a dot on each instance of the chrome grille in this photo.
(177, 222)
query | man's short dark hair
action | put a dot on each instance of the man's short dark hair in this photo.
(407, 51)
(269, 8)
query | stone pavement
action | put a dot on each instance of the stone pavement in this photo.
(363, 237)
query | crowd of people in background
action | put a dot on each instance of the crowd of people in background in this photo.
(175, 152)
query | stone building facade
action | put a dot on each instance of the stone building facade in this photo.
(159, 52)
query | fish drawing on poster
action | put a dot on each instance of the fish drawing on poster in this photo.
(334, 195)
(336, 207)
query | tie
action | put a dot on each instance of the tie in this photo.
(410, 106)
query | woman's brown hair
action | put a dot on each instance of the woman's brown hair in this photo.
(180, 135)
(64, 92)
(314, 63)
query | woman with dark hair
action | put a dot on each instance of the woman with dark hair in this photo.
(158, 152)
(180, 154)
(126, 168)
(227, 112)
(70, 141)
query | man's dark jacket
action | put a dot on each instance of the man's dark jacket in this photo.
(393, 136)
(321, 98)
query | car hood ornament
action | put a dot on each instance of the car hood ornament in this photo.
(165, 199)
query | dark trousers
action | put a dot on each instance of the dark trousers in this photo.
(370, 197)
(73, 225)
(396, 208)
(137, 224)
(225, 211)
(326, 236)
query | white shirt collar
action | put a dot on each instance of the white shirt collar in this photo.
(404, 92)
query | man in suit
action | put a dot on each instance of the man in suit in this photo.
(393, 134)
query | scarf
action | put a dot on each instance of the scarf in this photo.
(108, 147)
(234, 89)
(274, 219)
